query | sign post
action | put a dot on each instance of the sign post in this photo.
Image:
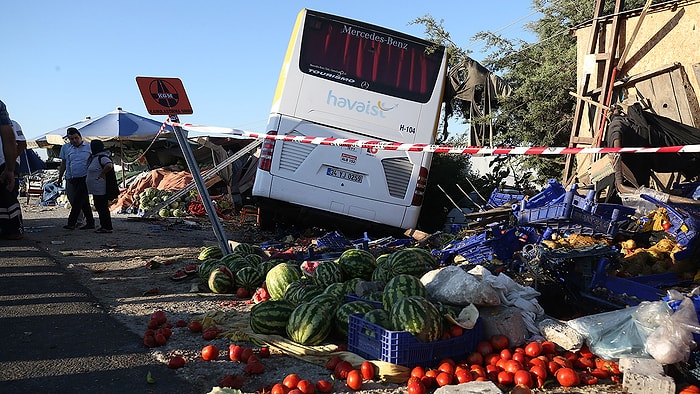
(166, 96)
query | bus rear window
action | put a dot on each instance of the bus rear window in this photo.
(369, 58)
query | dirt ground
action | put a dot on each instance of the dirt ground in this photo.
(115, 268)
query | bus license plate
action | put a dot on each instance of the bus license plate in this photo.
(348, 176)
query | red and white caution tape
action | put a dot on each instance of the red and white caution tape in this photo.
(464, 150)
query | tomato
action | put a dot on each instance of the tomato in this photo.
(506, 354)
(210, 333)
(176, 362)
(521, 389)
(153, 323)
(418, 371)
(520, 357)
(443, 379)
(253, 359)
(234, 352)
(523, 377)
(210, 352)
(278, 388)
(499, 341)
(306, 386)
(537, 362)
(584, 363)
(180, 323)
(242, 292)
(294, 391)
(477, 371)
(666, 226)
(447, 367)
(533, 349)
(456, 331)
(491, 358)
(567, 377)
(475, 358)
(492, 372)
(415, 388)
(600, 373)
(690, 389)
(264, 352)
(368, 371)
(354, 379)
(432, 373)
(246, 353)
(505, 378)
(539, 371)
(159, 316)
(586, 352)
(512, 366)
(484, 347)
(330, 364)
(587, 378)
(195, 326)
(342, 369)
(323, 386)
(160, 339)
(291, 381)
(463, 376)
(428, 382)
(553, 367)
(562, 361)
(548, 347)
(149, 340)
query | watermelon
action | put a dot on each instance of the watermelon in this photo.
(249, 278)
(342, 316)
(221, 280)
(309, 323)
(266, 266)
(270, 317)
(326, 273)
(279, 277)
(379, 317)
(329, 299)
(418, 316)
(246, 249)
(234, 262)
(253, 259)
(210, 252)
(297, 290)
(205, 267)
(380, 274)
(402, 286)
(357, 263)
(336, 289)
(350, 285)
(411, 261)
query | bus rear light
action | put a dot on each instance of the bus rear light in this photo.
(420, 187)
(268, 148)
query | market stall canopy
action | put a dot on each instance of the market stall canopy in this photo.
(118, 125)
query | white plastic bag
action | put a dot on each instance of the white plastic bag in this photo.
(673, 340)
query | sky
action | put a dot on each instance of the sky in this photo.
(66, 60)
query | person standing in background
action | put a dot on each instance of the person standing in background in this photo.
(61, 171)
(98, 165)
(76, 160)
(21, 147)
(10, 218)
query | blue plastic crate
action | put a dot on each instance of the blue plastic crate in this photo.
(542, 214)
(498, 199)
(374, 342)
(608, 211)
(553, 191)
(355, 297)
(685, 222)
(333, 241)
(632, 291)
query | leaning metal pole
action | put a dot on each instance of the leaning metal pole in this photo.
(201, 186)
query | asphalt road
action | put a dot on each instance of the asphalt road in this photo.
(55, 337)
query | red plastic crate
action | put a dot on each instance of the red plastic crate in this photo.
(374, 342)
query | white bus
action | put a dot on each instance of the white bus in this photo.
(348, 79)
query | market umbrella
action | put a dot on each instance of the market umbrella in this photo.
(118, 125)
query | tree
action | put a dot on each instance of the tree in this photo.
(540, 110)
